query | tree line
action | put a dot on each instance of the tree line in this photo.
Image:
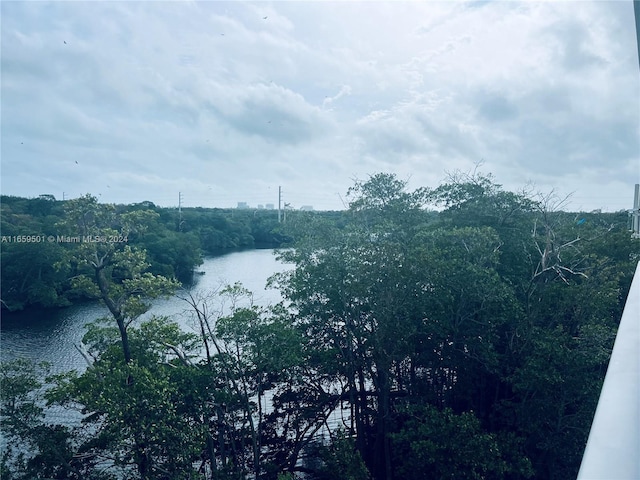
(459, 332)
(38, 242)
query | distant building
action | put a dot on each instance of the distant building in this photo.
(307, 208)
(269, 206)
(260, 206)
(242, 205)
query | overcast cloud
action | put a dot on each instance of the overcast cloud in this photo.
(224, 102)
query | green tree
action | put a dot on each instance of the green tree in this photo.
(469, 343)
(568, 274)
(357, 297)
(34, 270)
(34, 274)
(499, 305)
(341, 459)
(257, 355)
(110, 269)
(434, 443)
(146, 428)
(32, 447)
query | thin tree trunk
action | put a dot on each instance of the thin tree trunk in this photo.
(115, 311)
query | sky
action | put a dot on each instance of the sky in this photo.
(214, 103)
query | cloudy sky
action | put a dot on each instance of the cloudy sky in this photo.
(225, 102)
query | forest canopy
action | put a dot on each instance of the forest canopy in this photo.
(40, 241)
(463, 331)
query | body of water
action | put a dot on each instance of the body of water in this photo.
(50, 335)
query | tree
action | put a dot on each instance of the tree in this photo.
(107, 267)
(42, 449)
(340, 459)
(147, 428)
(437, 443)
(471, 343)
(34, 274)
(41, 244)
(255, 354)
(115, 272)
(357, 298)
(34, 269)
(484, 315)
(568, 275)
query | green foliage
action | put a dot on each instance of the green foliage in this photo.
(433, 443)
(341, 459)
(20, 382)
(285, 476)
(33, 274)
(136, 413)
(470, 343)
(73, 237)
(37, 274)
(491, 307)
(33, 448)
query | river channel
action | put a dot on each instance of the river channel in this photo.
(51, 335)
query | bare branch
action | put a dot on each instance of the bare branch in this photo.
(84, 355)
(183, 358)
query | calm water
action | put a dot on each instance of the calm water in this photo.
(51, 335)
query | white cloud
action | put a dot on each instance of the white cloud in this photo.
(155, 98)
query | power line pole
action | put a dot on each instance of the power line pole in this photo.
(635, 213)
(180, 211)
(279, 204)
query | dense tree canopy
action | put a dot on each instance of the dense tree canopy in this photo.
(493, 314)
(39, 242)
(460, 332)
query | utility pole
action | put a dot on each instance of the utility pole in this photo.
(180, 211)
(279, 204)
(635, 213)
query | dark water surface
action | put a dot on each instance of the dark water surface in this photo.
(50, 335)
